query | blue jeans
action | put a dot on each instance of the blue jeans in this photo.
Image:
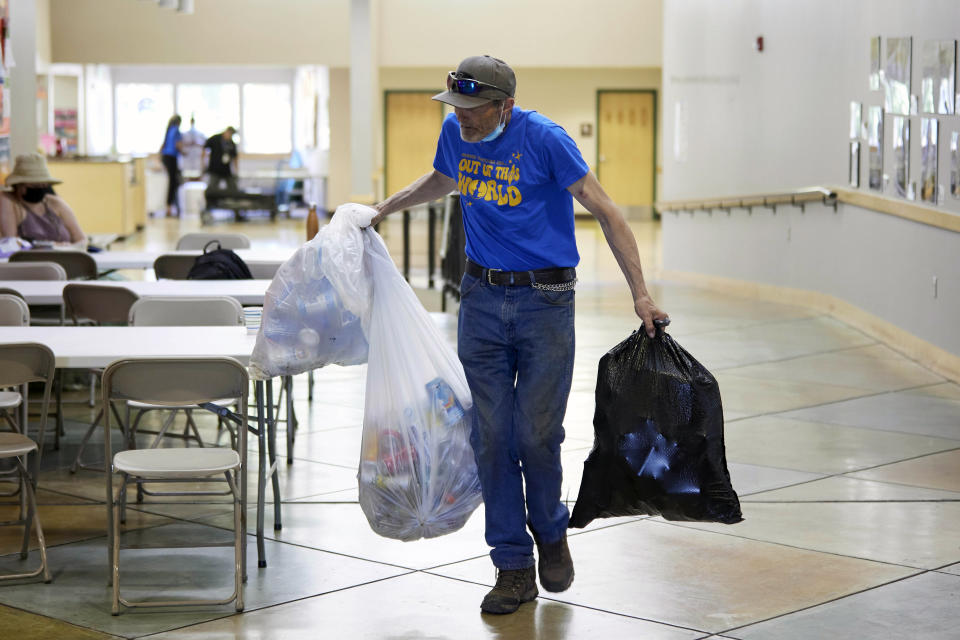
(516, 344)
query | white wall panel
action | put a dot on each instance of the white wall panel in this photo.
(760, 122)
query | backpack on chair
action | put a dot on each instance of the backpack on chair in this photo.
(219, 264)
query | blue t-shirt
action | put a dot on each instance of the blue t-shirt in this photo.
(170, 142)
(517, 212)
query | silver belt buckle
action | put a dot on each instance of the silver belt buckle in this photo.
(489, 278)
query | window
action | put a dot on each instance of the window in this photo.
(214, 106)
(143, 111)
(262, 110)
(267, 118)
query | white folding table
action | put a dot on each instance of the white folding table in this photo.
(97, 347)
(49, 292)
(110, 260)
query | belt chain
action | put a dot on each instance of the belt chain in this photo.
(562, 286)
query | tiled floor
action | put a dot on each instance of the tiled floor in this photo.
(844, 453)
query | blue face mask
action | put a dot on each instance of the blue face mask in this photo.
(493, 135)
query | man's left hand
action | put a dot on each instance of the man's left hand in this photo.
(648, 311)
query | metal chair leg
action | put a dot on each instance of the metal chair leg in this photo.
(261, 475)
(77, 464)
(163, 429)
(272, 451)
(115, 562)
(47, 578)
(78, 461)
(29, 519)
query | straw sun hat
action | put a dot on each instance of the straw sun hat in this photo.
(31, 168)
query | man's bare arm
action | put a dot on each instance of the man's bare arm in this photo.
(590, 194)
(426, 188)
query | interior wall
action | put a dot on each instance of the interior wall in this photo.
(617, 44)
(245, 32)
(739, 121)
(339, 178)
(535, 33)
(44, 52)
(900, 271)
(66, 92)
(565, 33)
(566, 96)
(22, 78)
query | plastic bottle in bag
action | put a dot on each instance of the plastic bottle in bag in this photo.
(445, 408)
(415, 380)
(316, 306)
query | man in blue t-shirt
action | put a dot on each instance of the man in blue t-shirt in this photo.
(517, 174)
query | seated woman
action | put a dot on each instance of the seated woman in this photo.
(31, 211)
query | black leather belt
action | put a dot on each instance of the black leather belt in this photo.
(558, 275)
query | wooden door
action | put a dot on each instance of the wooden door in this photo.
(412, 123)
(626, 147)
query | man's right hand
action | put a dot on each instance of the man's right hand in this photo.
(377, 218)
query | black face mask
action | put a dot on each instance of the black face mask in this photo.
(34, 194)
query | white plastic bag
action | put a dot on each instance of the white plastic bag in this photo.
(315, 308)
(10, 245)
(418, 476)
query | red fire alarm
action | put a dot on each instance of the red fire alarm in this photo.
(759, 45)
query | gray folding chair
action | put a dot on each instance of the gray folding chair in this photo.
(177, 382)
(14, 312)
(172, 266)
(197, 241)
(79, 265)
(166, 311)
(263, 271)
(95, 304)
(32, 271)
(12, 292)
(21, 364)
(41, 314)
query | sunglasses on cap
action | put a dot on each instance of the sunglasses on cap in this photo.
(468, 86)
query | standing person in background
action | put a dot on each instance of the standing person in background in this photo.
(169, 155)
(30, 210)
(220, 157)
(517, 173)
(192, 161)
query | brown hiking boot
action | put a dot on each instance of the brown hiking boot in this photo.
(513, 588)
(554, 564)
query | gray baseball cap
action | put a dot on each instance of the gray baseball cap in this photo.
(494, 78)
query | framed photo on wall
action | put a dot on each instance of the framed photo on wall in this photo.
(875, 148)
(874, 77)
(928, 160)
(955, 165)
(855, 117)
(938, 64)
(854, 168)
(896, 76)
(901, 157)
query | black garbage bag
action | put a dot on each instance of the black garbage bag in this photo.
(658, 447)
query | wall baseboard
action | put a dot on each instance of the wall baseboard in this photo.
(939, 360)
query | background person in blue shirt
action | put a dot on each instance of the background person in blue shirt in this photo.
(169, 155)
(517, 173)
